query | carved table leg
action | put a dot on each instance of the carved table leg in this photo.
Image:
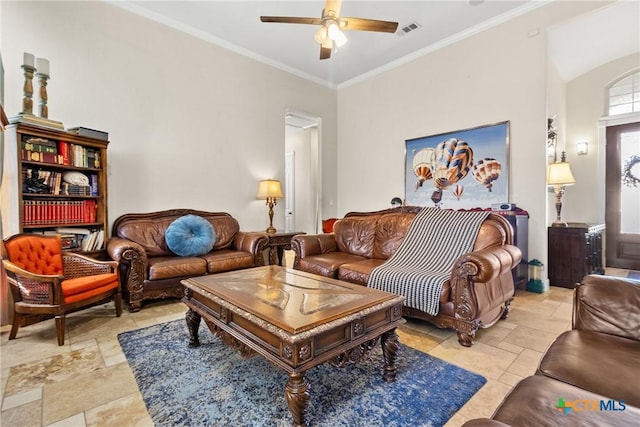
(193, 323)
(389, 342)
(297, 393)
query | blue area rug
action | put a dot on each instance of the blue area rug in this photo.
(633, 274)
(213, 385)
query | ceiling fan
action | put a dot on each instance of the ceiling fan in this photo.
(331, 25)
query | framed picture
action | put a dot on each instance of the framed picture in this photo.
(464, 169)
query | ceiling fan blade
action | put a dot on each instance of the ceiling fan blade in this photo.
(361, 24)
(291, 20)
(325, 48)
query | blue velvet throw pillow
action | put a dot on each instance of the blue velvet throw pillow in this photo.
(190, 235)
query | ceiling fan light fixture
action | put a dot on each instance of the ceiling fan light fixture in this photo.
(335, 34)
(320, 34)
(340, 39)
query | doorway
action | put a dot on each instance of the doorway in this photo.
(302, 172)
(622, 213)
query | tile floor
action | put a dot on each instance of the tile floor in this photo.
(87, 382)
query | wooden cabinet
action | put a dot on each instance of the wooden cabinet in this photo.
(55, 181)
(519, 221)
(574, 252)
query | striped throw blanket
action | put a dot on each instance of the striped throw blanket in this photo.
(422, 263)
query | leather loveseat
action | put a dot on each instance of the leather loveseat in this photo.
(594, 367)
(148, 268)
(477, 294)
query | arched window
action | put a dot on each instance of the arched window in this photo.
(624, 95)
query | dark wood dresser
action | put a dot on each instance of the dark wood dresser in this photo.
(574, 251)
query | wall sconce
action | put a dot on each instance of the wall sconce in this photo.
(583, 148)
(270, 190)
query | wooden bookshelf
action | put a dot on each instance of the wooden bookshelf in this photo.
(37, 196)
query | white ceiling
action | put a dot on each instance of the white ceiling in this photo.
(596, 38)
(236, 25)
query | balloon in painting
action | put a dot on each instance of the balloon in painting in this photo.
(458, 191)
(486, 171)
(454, 160)
(423, 163)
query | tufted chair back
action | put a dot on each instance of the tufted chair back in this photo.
(36, 254)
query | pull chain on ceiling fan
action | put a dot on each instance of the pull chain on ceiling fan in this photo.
(330, 33)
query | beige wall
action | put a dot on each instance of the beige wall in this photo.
(191, 124)
(586, 104)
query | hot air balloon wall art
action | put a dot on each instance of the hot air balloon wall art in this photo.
(464, 169)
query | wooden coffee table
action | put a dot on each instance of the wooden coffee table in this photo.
(296, 320)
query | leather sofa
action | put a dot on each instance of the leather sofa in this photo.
(477, 294)
(148, 268)
(594, 367)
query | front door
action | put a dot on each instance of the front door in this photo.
(622, 212)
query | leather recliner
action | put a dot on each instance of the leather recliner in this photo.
(594, 367)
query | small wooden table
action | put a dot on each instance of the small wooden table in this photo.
(278, 243)
(296, 320)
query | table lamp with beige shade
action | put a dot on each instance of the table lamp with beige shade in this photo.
(270, 190)
(559, 175)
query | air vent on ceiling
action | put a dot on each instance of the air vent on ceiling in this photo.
(412, 26)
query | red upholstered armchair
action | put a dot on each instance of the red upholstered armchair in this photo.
(46, 282)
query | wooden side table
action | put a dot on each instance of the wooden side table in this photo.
(574, 252)
(278, 243)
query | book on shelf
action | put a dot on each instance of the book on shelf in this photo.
(41, 145)
(93, 158)
(80, 156)
(77, 239)
(35, 156)
(99, 240)
(77, 152)
(40, 148)
(70, 242)
(76, 190)
(63, 150)
(57, 183)
(73, 230)
(93, 241)
(47, 212)
(93, 182)
(92, 133)
(38, 140)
